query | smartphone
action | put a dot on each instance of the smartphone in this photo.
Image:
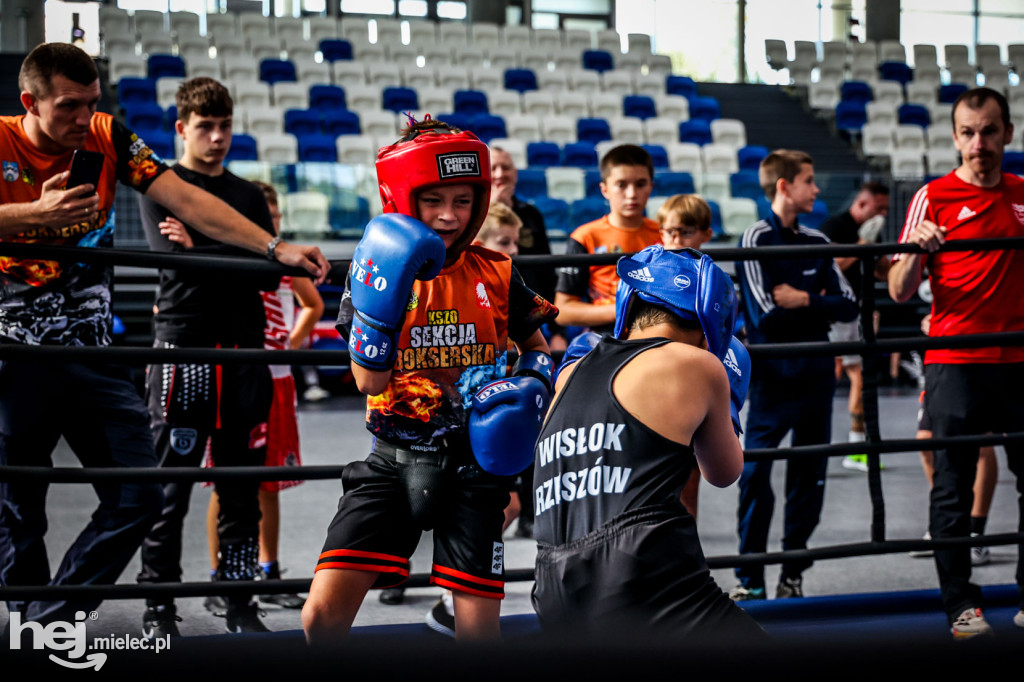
(86, 167)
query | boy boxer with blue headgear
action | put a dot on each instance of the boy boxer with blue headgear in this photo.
(617, 550)
(428, 316)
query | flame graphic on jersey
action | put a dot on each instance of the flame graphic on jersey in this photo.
(409, 396)
(33, 272)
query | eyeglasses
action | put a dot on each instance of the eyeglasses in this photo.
(680, 232)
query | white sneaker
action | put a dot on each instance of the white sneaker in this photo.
(922, 553)
(970, 623)
(980, 555)
(856, 462)
(1018, 620)
(315, 394)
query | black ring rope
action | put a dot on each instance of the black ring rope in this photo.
(870, 348)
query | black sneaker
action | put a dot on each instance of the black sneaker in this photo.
(245, 619)
(286, 601)
(216, 604)
(160, 621)
(392, 596)
(789, 588)
(441, 618)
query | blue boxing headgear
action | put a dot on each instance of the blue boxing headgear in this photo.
(686, 283)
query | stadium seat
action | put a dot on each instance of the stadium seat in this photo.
(1013, 162)
(877, 139)
(949, 92)
(565, 182)
(909, 136)
(593, 130)
(660, 130)
(454, 119)
(626, 130)
(720, 158)
(764, 208)
(750, 157)
(697, 131)
(487, 127)
(356, 149)
(916, 114)
(160, 141)
(340, 122)
(587, 209)
(895, 71)
(850, 117)
(592, 183)
(520, 80)
(275, 70)
(399, 99)
(738, 213)
(531, 183)
(729, 131)
(745, 183)
(555, 212)
(659, 155)
(668, 183)
(317, 147)
(165, 66)
(575, 104)
(243, 148)
(334, 49)
(525, 127)
(597, 60)
(542, 155)
(855, 91)
(816, 217)
(706, 108)
(290, 95)
(680, 85)
(323, 97)
(582, 154)
(470, 102)
(639, 106)
(942, 161)
(880, 112)
(132, 90)
(307, 212)
(301, 122)
(144, 116)
(716, 217)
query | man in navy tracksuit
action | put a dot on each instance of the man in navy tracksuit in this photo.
(787, 301)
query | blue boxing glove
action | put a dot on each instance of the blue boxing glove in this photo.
(536, 364)
(580, 346)
(394, 251)
(737, 366)
(505, 422)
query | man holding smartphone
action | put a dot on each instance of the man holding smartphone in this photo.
(95, 407)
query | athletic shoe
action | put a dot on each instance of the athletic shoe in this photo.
(217, 605)
(741, 593)
(970, 623)
(789, 588)
(315, 394)
(160, 621)
(287, 601)
(980, 555)
(392, 596)
(922, 553)
(856, 462)
(245, 619)
(1018, 620)
(441, 618)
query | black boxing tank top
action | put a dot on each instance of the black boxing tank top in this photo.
(593, 460)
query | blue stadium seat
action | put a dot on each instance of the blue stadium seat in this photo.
(348, 212)
(131, 90)
(659, 155)
(587, 209)
(895, 71)
(341, 122)
(697, 131)
(555, 212)
(165, 66)
(243, 148)
(470, 102)
(582, 154)
(334, 49)
(532, 183)
(160, 141)
(850, 116)
(750, 157)
(323, 96)
(592, 183)
(745, 184)
(520, 80)
(764, 207)
(542, 155)
(639, 106)
(706, 108)
(668, 183)
(317, 147)
(916, 114)
(680, 85)
(277, 71)
(399, 99)
(144, 116)
(816, 217)
(301, 122)
(593, 130)
(598, 60)
(488, 127)
(855, 91)
(454, 119)
(716, 219)
(949, 92)
(1013, 162)
(172, 116)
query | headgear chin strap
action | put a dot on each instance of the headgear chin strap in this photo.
(435, 157)
(687, 284)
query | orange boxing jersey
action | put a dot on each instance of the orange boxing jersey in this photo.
(454, 340)
(50, 302)
(597, 283)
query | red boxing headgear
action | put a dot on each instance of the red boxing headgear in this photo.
(435, 157)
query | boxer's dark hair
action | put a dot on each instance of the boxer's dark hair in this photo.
(55, 59)
(643, 314)
(203, 96)
(975, 98)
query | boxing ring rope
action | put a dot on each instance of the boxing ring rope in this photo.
(869, 349)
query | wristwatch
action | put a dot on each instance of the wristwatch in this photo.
(272, 247)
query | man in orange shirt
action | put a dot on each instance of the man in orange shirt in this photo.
(96, 406)
(586, 296)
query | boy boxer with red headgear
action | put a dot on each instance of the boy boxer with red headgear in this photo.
(428, 317)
